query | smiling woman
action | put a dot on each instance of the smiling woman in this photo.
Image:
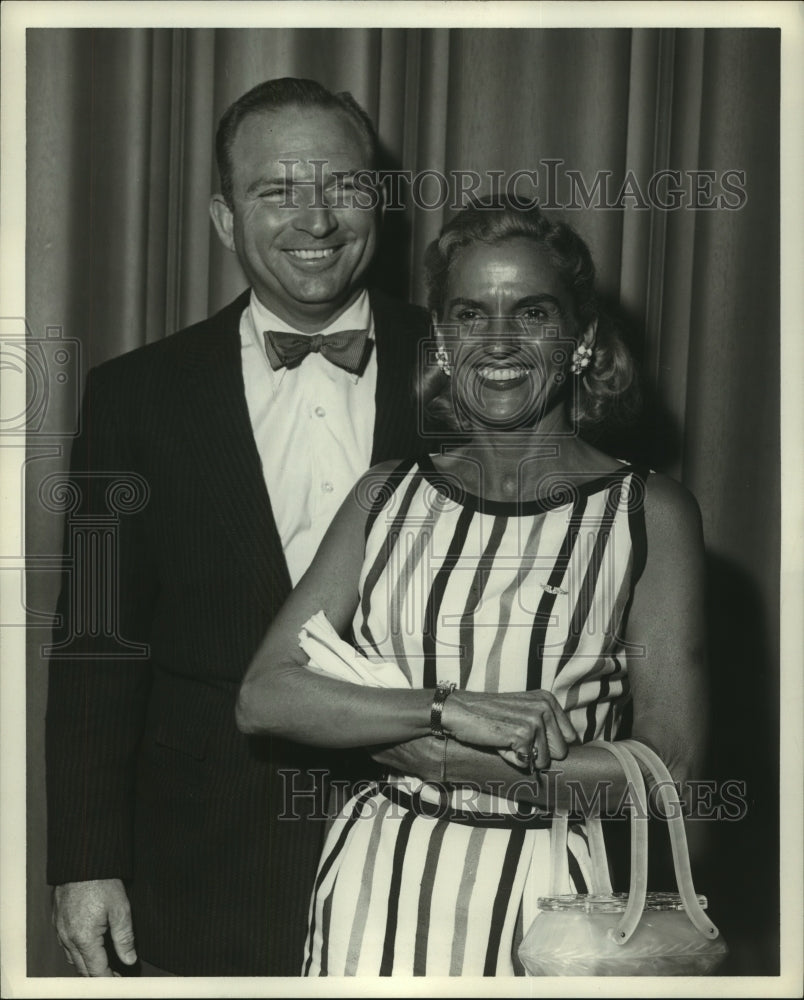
(515, 334)
(520, 313)
(526, 586)
(119, 253)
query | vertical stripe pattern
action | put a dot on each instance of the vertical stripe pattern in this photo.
(426, 898)
(496, 597)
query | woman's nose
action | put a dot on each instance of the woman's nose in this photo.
(502, 335)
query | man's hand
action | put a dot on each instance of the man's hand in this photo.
(82, 913)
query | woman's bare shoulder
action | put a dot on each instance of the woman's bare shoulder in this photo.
(382, 472)
(386, 468)
(666, 497)
(673, 523)
(377, 484)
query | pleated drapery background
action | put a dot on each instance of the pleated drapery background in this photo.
(120, 251)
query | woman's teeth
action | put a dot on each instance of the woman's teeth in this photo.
(312, 254)
(502, 374)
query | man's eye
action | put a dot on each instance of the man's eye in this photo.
(273, 194)
(340, 193)
(467, 315)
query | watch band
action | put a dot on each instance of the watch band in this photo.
(442, 691)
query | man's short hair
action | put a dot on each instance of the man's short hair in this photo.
(286, 92)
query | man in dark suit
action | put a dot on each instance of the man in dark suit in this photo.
(168, 831)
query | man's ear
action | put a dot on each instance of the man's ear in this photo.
(223, 218)
(382, 190)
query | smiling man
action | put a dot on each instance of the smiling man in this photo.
(301, 237)
(167, 827)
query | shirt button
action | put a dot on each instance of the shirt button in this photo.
(327, 487)
(320, 411)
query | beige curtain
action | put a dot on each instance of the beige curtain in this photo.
(120, 251)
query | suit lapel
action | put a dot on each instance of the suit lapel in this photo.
(219, 434)
(397, 358)
(221, 440)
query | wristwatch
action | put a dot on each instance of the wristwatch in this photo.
(442, 691)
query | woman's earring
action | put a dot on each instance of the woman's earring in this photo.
(442, 360)
(581, 359)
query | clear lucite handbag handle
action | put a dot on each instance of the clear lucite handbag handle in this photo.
(558, 851)
(599, 875)
(600, 878)
(638, 801)
(628, 752)
(639, 846)
(678, 835)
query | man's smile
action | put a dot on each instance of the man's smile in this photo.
(322, 254)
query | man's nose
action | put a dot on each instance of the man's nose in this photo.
(318, 220)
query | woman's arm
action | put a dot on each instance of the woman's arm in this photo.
(669, 680)
(281, 696)
(666, 666)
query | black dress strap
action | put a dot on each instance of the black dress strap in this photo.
(636, 521)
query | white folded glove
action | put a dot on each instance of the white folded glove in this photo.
(330, 655)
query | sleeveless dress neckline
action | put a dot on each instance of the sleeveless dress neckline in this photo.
(563, 494)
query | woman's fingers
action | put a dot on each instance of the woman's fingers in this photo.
(541, 740)
(532, 725)
(540, 750)
(567, 728)
(513, 757)
(556, 743)
(564, 726)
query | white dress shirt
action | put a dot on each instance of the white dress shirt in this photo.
(313, 426)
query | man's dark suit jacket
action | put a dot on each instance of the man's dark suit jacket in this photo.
(148, 778)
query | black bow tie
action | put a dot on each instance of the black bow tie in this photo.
(346, 348)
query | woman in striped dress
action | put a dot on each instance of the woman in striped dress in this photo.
(526, 585)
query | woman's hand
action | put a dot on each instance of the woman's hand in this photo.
(524, 726)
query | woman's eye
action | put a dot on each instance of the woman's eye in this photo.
(535, 314)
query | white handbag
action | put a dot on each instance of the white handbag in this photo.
(638, 933)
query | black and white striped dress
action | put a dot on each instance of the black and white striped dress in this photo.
(496, 596)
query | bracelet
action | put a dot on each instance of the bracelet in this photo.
(442, 691)
(444, 763)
